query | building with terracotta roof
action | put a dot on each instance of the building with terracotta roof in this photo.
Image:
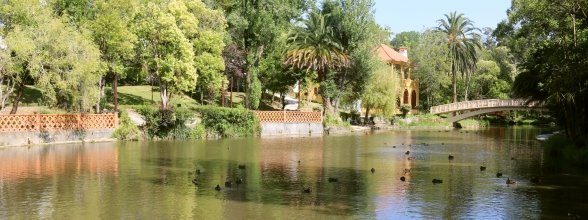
(409, 88)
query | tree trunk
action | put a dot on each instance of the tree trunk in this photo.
(231, 92)
(328, 106)
(336, 103)
(283, 100)
(164, 96)
(299, 94)
(115, 91)
(453, 81)
(467, 87)
(248, 90)
(17, 98)
(5, 93)
(101, 85)
(367, 115)
(222, 94)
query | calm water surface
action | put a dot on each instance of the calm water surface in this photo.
(153, 180)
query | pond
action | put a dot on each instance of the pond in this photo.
(154, 180)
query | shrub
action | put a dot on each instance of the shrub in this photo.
(334, 121)
(405, 109)
(166, 124)
(127, 131)
(561, 151)
(229, 122)
(198, 132)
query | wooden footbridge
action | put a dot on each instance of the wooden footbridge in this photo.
(478, 107)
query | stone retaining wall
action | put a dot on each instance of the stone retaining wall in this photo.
(46, 137)
(297, 129)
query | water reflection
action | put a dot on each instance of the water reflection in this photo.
(154, 179)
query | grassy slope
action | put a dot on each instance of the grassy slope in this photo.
(133, 96)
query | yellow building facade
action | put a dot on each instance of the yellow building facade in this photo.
(409, 87)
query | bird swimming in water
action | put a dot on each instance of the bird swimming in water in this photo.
(217, 188)
(450, 157)
(407, 152)
(402, 178)
(482, 168)
(509, 181)
(435, 181)
(498, 175)
(373, 170)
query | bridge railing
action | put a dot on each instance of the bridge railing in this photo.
(477, 104)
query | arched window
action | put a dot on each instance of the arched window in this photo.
(413, 99)
(405, 100)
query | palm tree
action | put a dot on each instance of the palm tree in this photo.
(314, 48)
(463, 44)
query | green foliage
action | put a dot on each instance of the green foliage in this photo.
(561, 151)
(409, 39)
(332, 120)
(61, 60)
(127, 131)
(486, 84)
(198, 132)
(551, 40)
(229, 122)
(257, 28)
(181, 39)
(382, 91)
(357, 32)
(432, 72)
(472, 123)
(255, 91)
(422, 121)
(405, 109)
(462, 42)
(166, 123)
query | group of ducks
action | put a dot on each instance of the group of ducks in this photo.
(238, 181)
(228, 183)
(509, 181)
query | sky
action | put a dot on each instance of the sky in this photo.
(418, 15)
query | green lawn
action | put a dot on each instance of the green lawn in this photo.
(134, 96)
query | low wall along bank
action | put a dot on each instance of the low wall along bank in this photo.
(56, 128)
(290, 123)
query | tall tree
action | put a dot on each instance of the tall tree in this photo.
(550, 38)
(59, 59)
(168, 52)
(355, 29)
(254, 26)
(180, 41)
(110, 27)
(462, 43)
(381, 91)
(314, 48)
(408, 39)
(431, 69)
(109, 23)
